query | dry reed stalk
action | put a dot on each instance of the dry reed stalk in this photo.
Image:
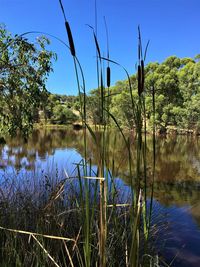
(55, 194)
(76, 240)
(118, 205)
(68, 254)
(37, 234)
(94, 178)
(45, 251)
(133, 261)
(102, 227)
(103, 217)
(102, 238)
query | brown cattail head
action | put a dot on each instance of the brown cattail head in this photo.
(108, 76)
(142, 75)
(139, 81)
(70, 38)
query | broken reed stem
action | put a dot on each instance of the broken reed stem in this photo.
(45, 251)
(94, 178)
(118, 205)
(37, 234)
(68, 254)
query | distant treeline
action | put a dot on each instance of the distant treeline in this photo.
(25, 67)
(176, 83)
(59, 109)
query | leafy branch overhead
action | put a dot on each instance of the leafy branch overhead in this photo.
(24, 68)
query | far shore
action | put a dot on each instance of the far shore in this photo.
(170, 130)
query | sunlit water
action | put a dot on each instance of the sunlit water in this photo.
(177, 180)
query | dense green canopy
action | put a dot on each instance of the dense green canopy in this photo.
(176, 82)
(24, 68)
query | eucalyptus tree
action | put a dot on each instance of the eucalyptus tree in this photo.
(24, 68)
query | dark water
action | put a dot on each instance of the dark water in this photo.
(177, 180)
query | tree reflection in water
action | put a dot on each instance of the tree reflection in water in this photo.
(177, 179)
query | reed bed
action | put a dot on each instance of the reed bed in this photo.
(83, 220)
(42, 224)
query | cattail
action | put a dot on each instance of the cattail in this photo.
(70, 38)
(108, 76)
(142, 74)
(139, 81)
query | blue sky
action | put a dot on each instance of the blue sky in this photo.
(170, 25)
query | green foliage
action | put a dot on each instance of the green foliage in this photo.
(63, 115)
(24, 68)
(176, 82)
(59, 109)
(121, 108)
(94, 108)
(177, 87)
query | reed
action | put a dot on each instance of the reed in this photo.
(91, 223)
(57, 219)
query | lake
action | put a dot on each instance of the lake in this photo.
(177, 179)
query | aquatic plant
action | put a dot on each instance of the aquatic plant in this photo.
(82, 219)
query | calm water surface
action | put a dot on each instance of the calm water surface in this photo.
(177, 185)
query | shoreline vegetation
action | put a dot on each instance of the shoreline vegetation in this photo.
(170, 130)
(176, 83)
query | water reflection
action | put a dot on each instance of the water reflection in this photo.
(177, 179)
(177, 160)
(42, 143)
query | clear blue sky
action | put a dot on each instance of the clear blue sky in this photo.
(171, 25)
